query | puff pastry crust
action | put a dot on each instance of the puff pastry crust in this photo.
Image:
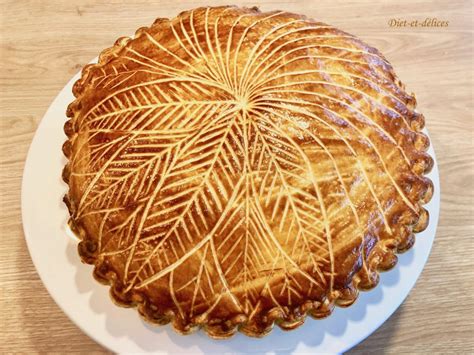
(232, 169)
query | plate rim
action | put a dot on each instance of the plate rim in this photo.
(26, 177)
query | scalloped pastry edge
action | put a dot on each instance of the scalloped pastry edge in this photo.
(382, 257)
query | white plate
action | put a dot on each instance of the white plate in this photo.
(87, 303)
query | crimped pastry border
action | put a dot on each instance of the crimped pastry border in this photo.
(380, 258)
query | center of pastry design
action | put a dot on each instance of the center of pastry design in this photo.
(243, 104)
(224, 164)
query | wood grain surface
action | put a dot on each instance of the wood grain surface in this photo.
(44, 43)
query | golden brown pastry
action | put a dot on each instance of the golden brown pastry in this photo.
(234, 169)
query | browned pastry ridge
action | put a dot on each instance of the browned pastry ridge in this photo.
(231, 169)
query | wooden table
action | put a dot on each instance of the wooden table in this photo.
(44, 43)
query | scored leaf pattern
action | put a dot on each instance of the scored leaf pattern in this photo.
(229, 164)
